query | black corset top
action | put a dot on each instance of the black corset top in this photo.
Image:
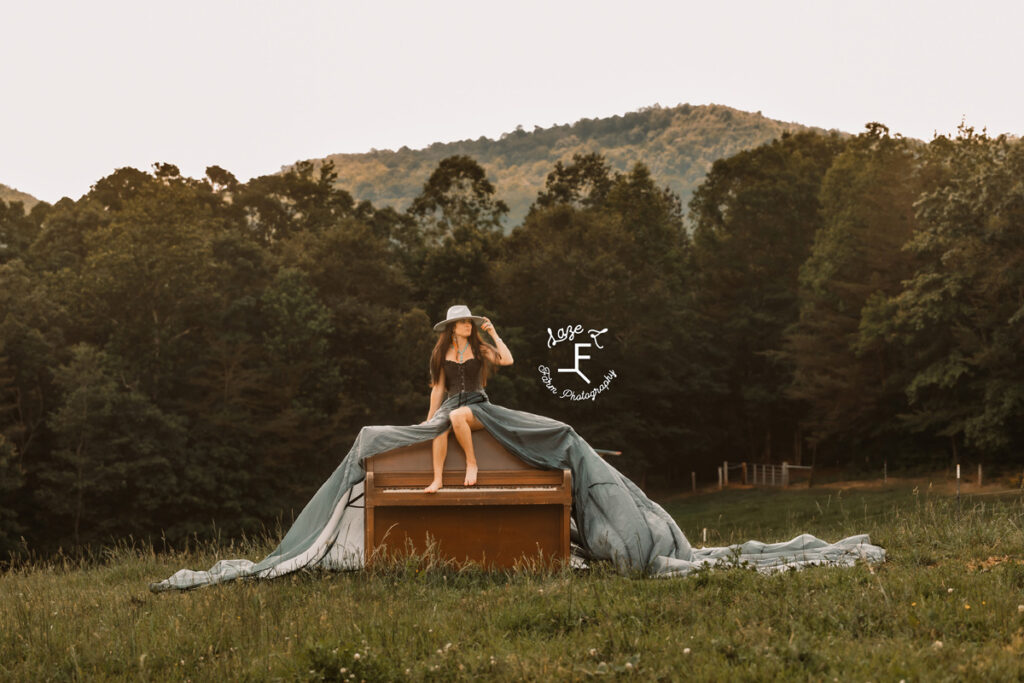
(462, 376)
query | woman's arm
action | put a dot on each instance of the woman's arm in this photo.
(504, 356)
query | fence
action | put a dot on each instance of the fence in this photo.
(775, 475)
(765, 475)
(723, 472)
(779, 475)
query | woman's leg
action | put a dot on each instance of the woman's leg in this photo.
(440, 452)
(464, 423)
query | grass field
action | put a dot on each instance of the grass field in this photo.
(947, 605)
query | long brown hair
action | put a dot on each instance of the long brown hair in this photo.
(444, 340)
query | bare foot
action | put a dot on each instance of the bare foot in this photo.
(470, 475)
(434, 486)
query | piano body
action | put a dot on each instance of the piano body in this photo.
(514, 511)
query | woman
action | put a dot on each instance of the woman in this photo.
(461, 362)
(612, 519)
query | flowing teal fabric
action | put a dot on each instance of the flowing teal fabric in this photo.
(612, 518)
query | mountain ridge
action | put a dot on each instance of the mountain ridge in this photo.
(678, 144)
(9, 194)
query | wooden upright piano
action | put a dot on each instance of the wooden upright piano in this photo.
(514, 511)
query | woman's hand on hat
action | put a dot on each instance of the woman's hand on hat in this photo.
(487, 327)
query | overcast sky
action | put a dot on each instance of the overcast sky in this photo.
(89, 87)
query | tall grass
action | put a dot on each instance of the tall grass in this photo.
(945, 606)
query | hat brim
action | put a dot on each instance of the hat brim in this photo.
(475, 318)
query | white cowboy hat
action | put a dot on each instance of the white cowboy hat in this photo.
(457, 312)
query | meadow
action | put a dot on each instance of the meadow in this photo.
(948, 604)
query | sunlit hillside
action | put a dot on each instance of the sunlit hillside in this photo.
(9, 194)
(678, 144)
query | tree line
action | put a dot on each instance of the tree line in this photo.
(178, 353)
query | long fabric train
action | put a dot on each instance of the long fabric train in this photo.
(613, 519)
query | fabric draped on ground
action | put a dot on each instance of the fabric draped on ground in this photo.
(612, 518)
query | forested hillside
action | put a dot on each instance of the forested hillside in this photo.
(9, 194)
(181, 351)
(678, 144)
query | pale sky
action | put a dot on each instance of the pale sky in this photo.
(89, 87)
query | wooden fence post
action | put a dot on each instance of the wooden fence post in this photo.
(785, 473)
(725, 472)
(958, 487)
(719, 477)
(693, 481)
(979, 474)
(745, 473)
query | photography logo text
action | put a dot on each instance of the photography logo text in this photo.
(579, 366)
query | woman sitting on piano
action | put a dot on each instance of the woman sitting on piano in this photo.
(461, 362)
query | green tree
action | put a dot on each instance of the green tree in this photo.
(300, 385)
(11, 480)
(296, 334)
(31, 342)
(457, 194)
(62, 240)
(114, 470)
(584, 183)
(460, 221)
(12, 474)
(277, 206)
(355, 274)
(960, 317)
(164, 272)
(18, 229)
(754, 220)
(853, 389)
(147, 283)
(32, 338)
(112, 191)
